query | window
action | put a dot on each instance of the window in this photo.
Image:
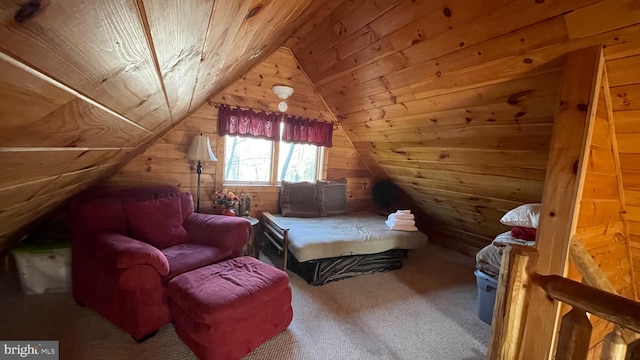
(247, 159)
(251, 160)
(297, 162)
(256, 160)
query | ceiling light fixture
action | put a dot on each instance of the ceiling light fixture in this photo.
(282, 92)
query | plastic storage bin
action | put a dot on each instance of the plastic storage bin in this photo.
(44, 269)
(487, 286)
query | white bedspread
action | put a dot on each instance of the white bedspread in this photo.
(355, 234)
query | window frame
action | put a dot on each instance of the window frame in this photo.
(275, 156)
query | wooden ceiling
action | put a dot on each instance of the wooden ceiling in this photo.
(86, 85)
(453, 100)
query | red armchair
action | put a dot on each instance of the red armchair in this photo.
(127, 244)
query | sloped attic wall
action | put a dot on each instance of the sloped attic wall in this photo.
(624, 81)
(114, 73)
(455, 100)
(164, 162)
(601, 225)
(86, 85)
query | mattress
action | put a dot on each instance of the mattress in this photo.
(344, 235)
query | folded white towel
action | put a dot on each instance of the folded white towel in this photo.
(403, 222)
(402, 216)
(393, 226)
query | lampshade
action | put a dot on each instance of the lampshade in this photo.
(201, 149)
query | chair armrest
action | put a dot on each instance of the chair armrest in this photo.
(123, 252)
(223, 231)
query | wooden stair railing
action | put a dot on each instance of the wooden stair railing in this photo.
(573, 341)
(518, 277)
(592, 275)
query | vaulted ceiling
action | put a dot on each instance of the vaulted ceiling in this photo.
(452, 100)
(86, 85)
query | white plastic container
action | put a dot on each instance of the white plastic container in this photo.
(44, 270)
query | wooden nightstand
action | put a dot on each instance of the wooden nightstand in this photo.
(251, 248)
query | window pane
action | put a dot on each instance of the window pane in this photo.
(247, 159)
(297, 162)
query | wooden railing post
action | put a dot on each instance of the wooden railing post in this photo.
(575, 333)
(564, 183)
(610, 307)
(614, 347)
(519, 283)
(633, 350)
(592, 275)
(518, 263)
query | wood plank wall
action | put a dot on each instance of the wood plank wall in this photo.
(601, 225)
(583, 200)
(164, 163)
(451, 99)
(87, 85)
(454, 100)
(624, 80)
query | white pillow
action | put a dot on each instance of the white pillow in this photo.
(527, 215)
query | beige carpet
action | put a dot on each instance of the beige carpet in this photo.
(426, 310)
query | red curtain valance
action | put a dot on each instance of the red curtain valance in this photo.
(305, 131)
(297, 130)
(235, 121)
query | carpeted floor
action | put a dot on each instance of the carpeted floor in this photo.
(426, 310)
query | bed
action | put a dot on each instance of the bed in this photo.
(331, 248)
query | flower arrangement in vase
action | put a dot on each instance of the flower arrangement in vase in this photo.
(227, 199)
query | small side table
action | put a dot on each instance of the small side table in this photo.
(251, 248)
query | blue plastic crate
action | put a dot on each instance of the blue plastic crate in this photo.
(487, 286)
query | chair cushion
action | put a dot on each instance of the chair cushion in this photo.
(103, 215)
(186, 201)
(183, 258)
(157, 222)
(187, 204)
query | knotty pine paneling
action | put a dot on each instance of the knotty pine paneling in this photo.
(602, 206)
(458, 84)
(88, 85)
(99, 49)
(164, 162)
(178, 30)
(52, 141)
(100, 82)
(447, 89)
(20, 165)
(624, 78)
(241, 35)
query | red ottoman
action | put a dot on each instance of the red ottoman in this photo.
(226, 310)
